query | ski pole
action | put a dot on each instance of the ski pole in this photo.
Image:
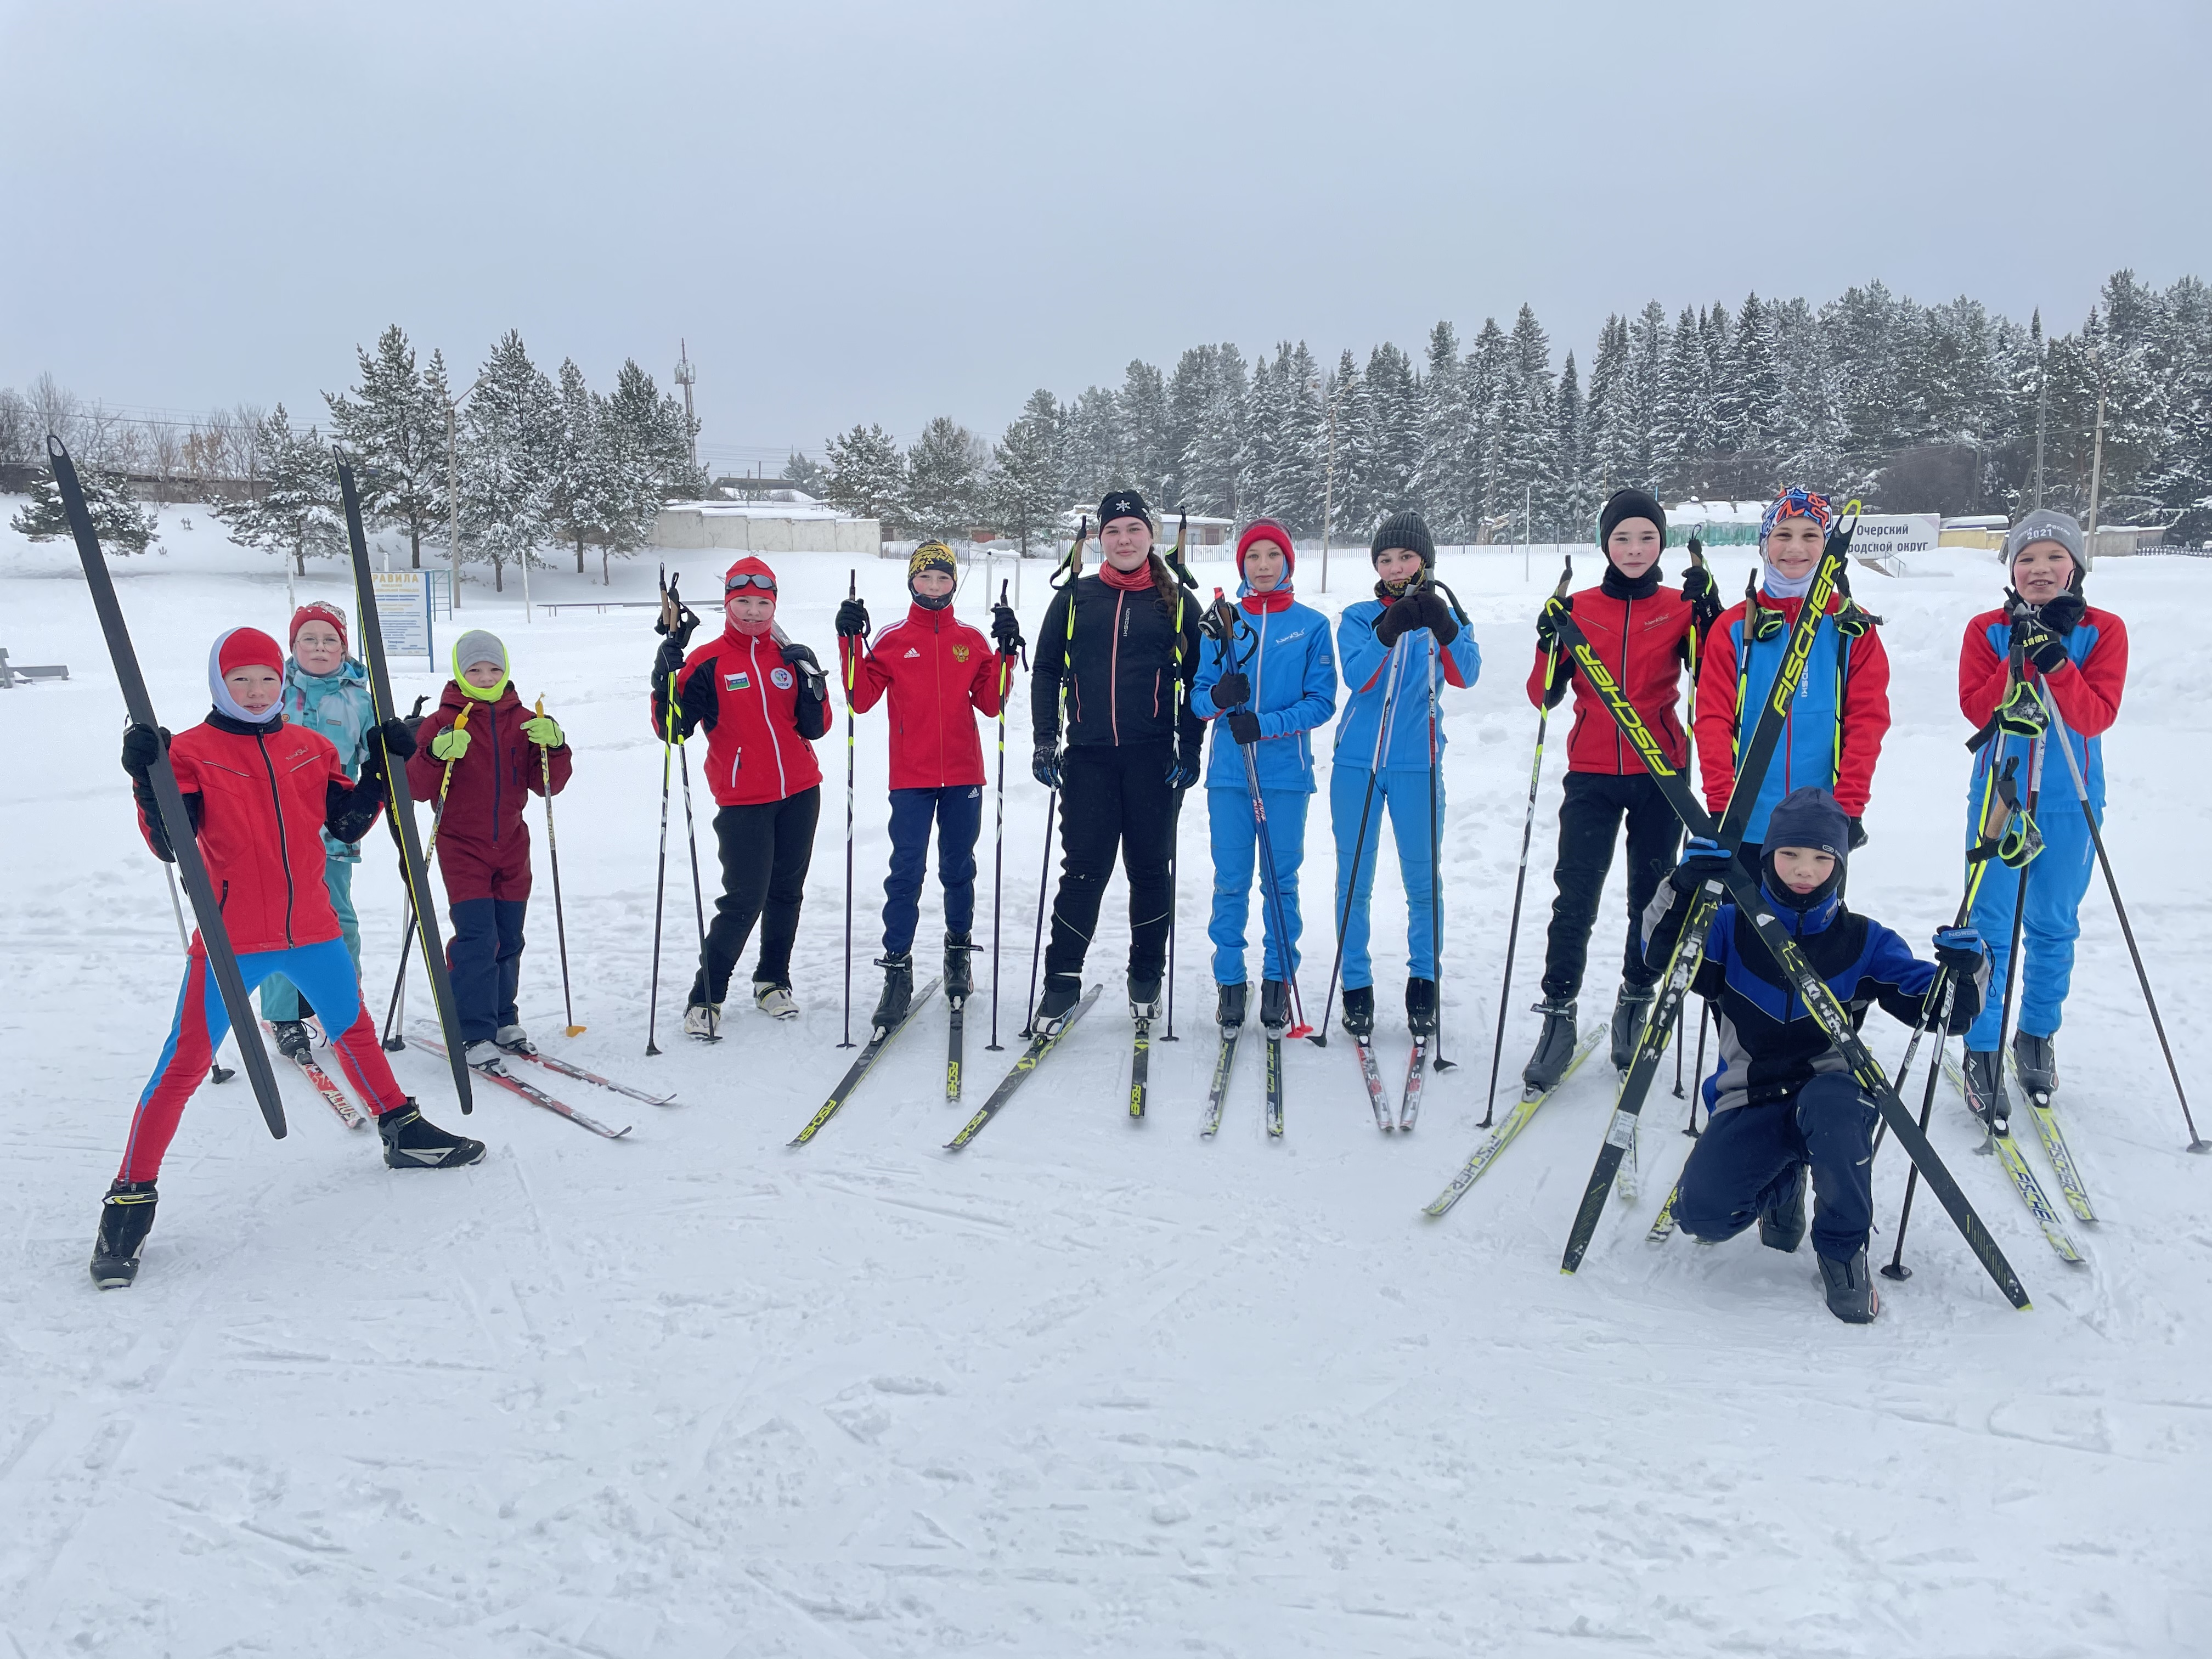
(1895, 1267)
(1527, 830)
(1704, 1019)
(2197, 1142)
(691, 835)
(1391, 667)
(852, 658)
(998, 833)
(1174, 893)
(1036, 945)
(392, 1039)
(2018, 919)
(553, 856)
(216, 1072)
(1431, 673)
(671, 622)
(1271, 892)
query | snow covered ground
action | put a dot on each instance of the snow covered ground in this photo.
(1089, 1389)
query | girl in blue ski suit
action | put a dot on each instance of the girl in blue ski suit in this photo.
(328, 693)
(1272, 684)
(1403, 646)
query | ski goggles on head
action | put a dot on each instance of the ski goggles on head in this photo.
(1796, 504)
(745, 578)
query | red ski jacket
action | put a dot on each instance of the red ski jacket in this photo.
(260, 799)
(1645, 644)
(940, 674)
(757, 752)
(493, 781)
(2087, 688)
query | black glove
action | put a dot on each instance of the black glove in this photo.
(398, 738)
(1232, 690)
(2039, 644)
(696, 698)
(1556, 610)
(142, 747)
(1436, 616)
(1244, 726)
(667, 660)
(853, 619)
(1044, 765)
(1703, 860)
(1182, 771)
(1961, 950)
(1702, 592)
(1399, 617)
(2060, 614)
(679, 635)
(1007, 630)
(1858, 835)
(1697, 547)
(802, 658)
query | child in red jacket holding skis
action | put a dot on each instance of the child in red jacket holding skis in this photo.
(480, 774)
(763, 700)
(939, 674)
(260, 792)
(1644, 634)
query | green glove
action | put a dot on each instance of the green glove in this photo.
(543, 730)
(450, 744)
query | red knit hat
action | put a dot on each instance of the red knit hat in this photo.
(747, 566)
(245, 647)
(1267, 530)
(316, 611)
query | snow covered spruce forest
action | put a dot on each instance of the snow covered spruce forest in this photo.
(1091, 1386)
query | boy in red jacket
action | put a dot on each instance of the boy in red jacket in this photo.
(1644, 633)
(260, 791)
(939, 674)
(478, 777)
(763, 701)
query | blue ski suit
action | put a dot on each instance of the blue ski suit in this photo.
(338, 706)
(1398, 761)
(1283, 648)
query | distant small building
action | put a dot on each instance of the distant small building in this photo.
(800, 524)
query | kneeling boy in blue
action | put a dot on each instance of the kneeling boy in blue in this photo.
(1272, 682)
(1784, 1103)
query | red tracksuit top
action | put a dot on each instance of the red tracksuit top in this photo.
(1644, 644)
(755, 754)
(2087, 693)
(940, 674)
(492, 781)
(263, 800)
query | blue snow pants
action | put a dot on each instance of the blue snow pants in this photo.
(484, 959)
(1401, 793)
(957, 811)
(280, 999)
(1237, 868)
(1749, 1156)
(2058, 880)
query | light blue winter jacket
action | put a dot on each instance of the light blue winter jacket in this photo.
(338, 706)
(1372, 669)
(1293, 675)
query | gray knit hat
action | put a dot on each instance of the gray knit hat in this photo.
(2043, 524)
(1407, 530)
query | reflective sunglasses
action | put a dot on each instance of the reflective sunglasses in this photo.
(746, 579)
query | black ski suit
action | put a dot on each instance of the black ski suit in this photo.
(1124, 663)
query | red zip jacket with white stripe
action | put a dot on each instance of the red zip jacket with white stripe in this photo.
(1644, 645)
(940, 674)
(756, 752)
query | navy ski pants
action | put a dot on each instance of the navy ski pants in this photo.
(1749, 1156)
(957, 811)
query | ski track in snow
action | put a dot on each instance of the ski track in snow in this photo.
(1088, 1389)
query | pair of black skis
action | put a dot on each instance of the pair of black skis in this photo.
(1820, 1003)
(1225, 1061)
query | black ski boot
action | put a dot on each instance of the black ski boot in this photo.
(1555, 1047)
(1421, 1007)
(412, 1141)
(292, 1039)
(1359, 1011)
(1851, 1295)
(126, 1216)
(959, 976)
(2035, 1063)
(1228, 1008)
(1782, 1223)
(1629, 1014)
(1983, 1074)
(1143, 996)
(1274, 1008)
(898, 989)
(1061, 993)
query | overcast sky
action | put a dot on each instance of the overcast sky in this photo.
(886, 210)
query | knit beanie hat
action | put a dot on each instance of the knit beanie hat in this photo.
(316, 611)
(1123, 504)
(1809, 817)
(2043, 524)
(930, 556)
(1407, 531)
(748, 576)
(1267, 530)
(479, 645)
(241, 647)
(1625, 504)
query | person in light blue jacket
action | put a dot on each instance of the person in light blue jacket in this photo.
(326, 691)
(1271, 683)
(1401, 647)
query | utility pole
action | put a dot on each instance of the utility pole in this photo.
(2042, 411)
(2097, 450)
(685, 374)
(1528, 526)
(1328, 493)
(454, 489)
